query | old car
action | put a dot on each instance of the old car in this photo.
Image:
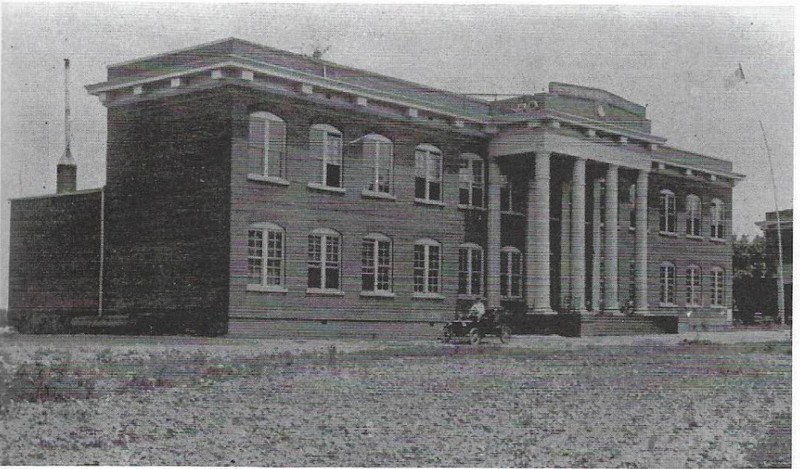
(475, 327)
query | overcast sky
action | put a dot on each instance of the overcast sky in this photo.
(674, 60)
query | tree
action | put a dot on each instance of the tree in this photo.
(753, 288)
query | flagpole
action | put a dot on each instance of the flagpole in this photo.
(781, 306)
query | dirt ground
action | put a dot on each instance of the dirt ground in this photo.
(690, 400)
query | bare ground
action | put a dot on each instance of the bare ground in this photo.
(694, 400)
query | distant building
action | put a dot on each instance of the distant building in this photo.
(770, 228)
(252, 189)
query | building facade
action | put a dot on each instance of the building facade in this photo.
(770, 227)
(254, 189)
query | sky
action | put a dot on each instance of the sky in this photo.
(677, 61)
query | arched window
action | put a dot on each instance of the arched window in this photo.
(428, 172)
(267, 145)
(427, 266)
(265, 256)
(376, 263)
(693, 215)
(717, 286)
(693, 286)
(324, 260)
(378, 153)
(667, 284)
(326, 146)
(470, 269)
(470, 181)
(717, 230)
(510, 272)
(667, 211)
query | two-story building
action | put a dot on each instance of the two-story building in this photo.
(252, 189)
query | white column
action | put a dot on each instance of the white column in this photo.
(537, 245)
(611, 246)
(566, 235)
(578, 239)
(641, 243)
(596, 243)
(493, 238)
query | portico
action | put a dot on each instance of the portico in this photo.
(579, 175)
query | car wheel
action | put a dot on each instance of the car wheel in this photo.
(474, 336)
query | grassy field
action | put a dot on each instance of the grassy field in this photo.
(554, 402)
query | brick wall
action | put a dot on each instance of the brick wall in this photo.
(54, 257)
(300, 209)
(168, 211)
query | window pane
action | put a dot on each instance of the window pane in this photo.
(332, 278)
(419, 188)
(254, 256)
(419, 268)
(333, 148)
(314, 277)
(435, 191)
(276, 148)
(463, 196)
(367, 266)
(333, 175)
(433, 269)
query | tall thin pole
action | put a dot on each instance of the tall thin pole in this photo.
(67, 152)
(781, 306)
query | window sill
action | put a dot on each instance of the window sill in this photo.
(366, 193)
(323, 292)
(434, 203)
(268, 179)
(266, 288)
(377, 294)
(695, 237)
(515, 214)
(471, 207)
(319, 187)
(669, 234)
(718, 240)
(428, 296)
(667, 305)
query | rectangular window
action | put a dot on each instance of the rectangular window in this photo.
(265, 263)
(470, 270)
(378, 153)
(717, 287)
(470, 182)
(323, 261)
(693, 286)
(667, 281)
(333, 160)
(255, 256)
(376, 265)
(267, 145)
(667, 215)
(427, 263)
(428, 175)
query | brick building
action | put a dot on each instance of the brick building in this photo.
(254, 189)
(770, 227)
